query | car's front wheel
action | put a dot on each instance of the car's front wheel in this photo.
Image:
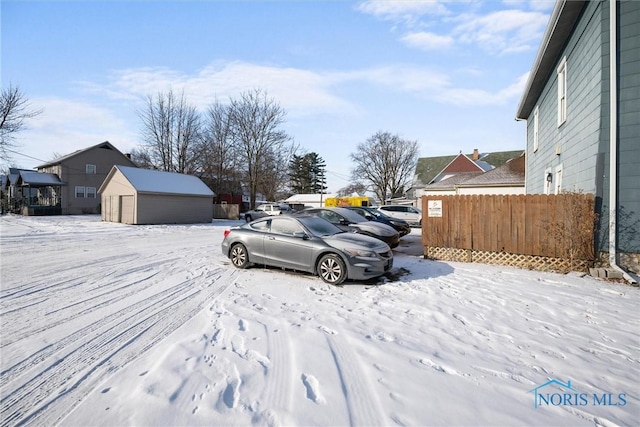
(332, 269)
(247, 218)
(239, 255)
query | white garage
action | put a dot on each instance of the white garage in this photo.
(141, 196)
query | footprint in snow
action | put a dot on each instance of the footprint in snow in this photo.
(327, 330)
(313, 389)
(438, 367)
(460, 319)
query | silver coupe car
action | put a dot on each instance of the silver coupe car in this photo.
(307, 243)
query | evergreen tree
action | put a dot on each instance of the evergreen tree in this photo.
(307, 174)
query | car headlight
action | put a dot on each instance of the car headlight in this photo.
(365, 253)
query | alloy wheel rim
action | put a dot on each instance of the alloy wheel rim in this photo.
(238, 256)
(330, 270)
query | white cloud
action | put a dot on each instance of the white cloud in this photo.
(422, 81)
(427, 41)
(392, 9)
(479, 97)
(502, 32)
(299, 91)
(66, 126)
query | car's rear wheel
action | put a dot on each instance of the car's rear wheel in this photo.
(331, 269)
(247, 218)
(239, 255)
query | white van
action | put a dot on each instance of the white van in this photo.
(410, 214)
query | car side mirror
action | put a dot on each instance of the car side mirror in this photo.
(301, 235)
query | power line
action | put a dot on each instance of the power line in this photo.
(24, 155)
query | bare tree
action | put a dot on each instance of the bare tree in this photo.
(14, 110)
(171, 130)
(142, 158)
(356, 187)
(217, 151)
(386, 162)
(274, 179)
(255, 128)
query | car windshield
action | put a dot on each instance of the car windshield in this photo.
(376, 213)
(318, 226)
(351, 215)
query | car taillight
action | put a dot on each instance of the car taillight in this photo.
(226, 233)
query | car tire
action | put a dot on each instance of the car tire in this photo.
(247, 218)
(331, 269)
(239, 256)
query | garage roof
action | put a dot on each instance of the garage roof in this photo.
(153, 181)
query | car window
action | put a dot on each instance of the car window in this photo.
(319, 227)
(260, 225)
(285, 226)
(261, 208)
(351, 215)
(330, 216)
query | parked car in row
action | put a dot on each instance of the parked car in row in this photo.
(266, 210)
(307, 243)
(400, 225)
(410, 214)
(348, 220)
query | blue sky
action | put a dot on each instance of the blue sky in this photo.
(448, 74)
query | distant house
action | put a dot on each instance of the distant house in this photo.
(582, 108)
(81, 173)
(28, 192)
(447, 175)
(141, 196)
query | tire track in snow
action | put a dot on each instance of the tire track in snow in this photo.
(124, 314)
(51, 395)
(277, 393)
(362, 403)
(20, 325)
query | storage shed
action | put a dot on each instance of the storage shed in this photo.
(141, 196)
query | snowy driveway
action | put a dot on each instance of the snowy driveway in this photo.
(109, 324)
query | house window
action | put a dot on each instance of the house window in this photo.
(91, 169)
(536, 118)
(79, 192)
(91, 193)
(562, 91)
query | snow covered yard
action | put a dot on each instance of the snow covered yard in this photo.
(109, 324)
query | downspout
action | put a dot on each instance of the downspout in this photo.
(613, 140)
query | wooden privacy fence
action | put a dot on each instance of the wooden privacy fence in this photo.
(535, 231)
(226, 211)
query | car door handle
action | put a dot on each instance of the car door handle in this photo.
(271, 238)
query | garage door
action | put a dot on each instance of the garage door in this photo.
(126, 209)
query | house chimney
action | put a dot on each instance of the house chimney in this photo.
(476, 154)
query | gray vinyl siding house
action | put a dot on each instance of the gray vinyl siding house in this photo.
(142, 196)
(578, 139)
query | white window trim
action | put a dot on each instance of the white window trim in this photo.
(536, 128)
(562, 91)
(93, 192)
(90, 166)
(84, 192)
(557, 180)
